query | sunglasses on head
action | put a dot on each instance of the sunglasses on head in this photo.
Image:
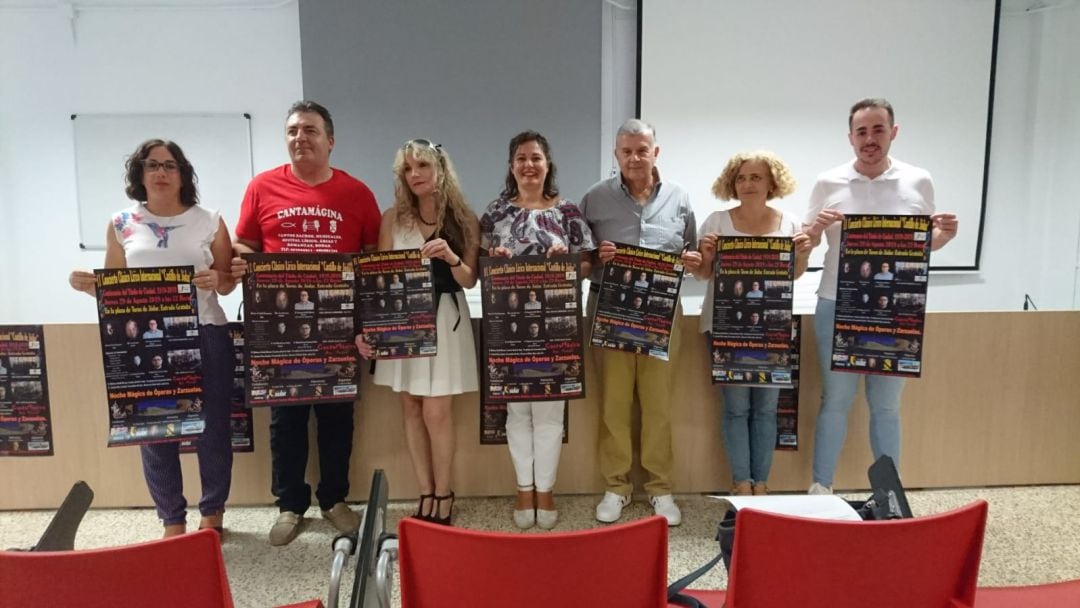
(423, 142)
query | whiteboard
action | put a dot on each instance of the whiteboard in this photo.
(723, 76)
(217, 145)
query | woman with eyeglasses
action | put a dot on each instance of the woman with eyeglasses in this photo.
(749, 425)
(430, 214)
(167, 227)
(530, 218)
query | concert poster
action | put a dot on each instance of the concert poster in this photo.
(25, 417)
(881, 294)
(787, 406)
(299, 329)
(240, 429)
(396, 298)
(753, 283)
(149, 323)
(493, 423)
(638, 298)
(532, 347)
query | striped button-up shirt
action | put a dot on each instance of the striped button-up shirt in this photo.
(665, 222)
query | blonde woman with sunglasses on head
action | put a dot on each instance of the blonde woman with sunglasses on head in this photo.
(430, 214)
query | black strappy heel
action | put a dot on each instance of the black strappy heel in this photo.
(438, 504)
(420, 507)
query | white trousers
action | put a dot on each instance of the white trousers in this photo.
(534, 431)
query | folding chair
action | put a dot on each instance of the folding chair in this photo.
(369, 544)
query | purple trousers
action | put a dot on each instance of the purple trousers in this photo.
(161, 461)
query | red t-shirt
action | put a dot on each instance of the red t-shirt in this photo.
(288, 216)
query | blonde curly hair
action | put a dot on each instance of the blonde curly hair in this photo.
(783, 183)
(453, 213)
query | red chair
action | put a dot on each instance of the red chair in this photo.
(181, 571)
(927, 562)
(1053, 595)
(623, 565)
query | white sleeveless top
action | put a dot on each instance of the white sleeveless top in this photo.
(181, 240)
(720, 223)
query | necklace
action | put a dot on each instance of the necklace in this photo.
(420, 214)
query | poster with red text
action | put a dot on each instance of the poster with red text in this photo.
(881, 294)
(493, 423)
(299, 329)
(532, 347)
(395, 294)
(638, 298)
(753, 283)
(240, 430)
(787, 406)
(149, 323)
(25, 418)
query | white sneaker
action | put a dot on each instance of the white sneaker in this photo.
(816, 489)
(665, 506)
(610, 508)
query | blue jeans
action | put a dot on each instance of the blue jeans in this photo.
(838, 393)
(750, 431)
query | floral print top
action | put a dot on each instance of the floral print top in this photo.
(534, 231)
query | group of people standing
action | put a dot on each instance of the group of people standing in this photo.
(529, 217)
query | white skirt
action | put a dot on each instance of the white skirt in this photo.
(452, 371)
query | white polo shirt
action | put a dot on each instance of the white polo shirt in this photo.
(902, 189)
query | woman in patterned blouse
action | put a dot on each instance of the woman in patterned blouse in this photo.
(530, 218)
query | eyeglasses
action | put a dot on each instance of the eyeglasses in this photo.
(423, 142)
(170, 166)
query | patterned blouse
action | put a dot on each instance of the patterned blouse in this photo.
(534, 231)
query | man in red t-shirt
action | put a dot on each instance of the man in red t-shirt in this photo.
(307, 206)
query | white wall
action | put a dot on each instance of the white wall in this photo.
(785, 88)
(1033, 203)
(118, 60)
(1031, 236)
(249, 60)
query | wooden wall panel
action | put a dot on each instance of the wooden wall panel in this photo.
(999, 404)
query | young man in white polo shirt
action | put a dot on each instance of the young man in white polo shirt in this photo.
(874, 183)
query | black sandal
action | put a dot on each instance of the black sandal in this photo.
(420, 507)
(438, 504)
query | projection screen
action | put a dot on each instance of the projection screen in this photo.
(721, 76)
